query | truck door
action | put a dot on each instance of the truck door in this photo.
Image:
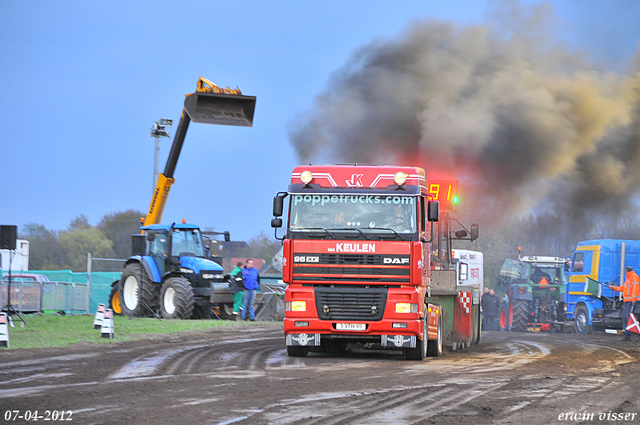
(584, 264)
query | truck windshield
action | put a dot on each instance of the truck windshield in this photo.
(361, 214)
(187, 242)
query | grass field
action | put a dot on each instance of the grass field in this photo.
(51, 330)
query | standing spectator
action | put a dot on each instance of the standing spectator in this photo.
(630, 294)
(237, 288)
(482, 301)
(491, 308)
(251, 285)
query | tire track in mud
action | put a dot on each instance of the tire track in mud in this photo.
(405, 405)
(443, 401)
(463, 390)
(231, 353)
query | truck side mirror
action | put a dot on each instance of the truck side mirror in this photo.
(475, 229)
(278, 204)
(276, 222)
(433, 211)
(151, 235)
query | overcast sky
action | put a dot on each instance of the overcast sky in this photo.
(81, 82)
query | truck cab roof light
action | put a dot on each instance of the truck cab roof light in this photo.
(306, 177)
(400, 178)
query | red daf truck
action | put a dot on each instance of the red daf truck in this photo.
(357, 260)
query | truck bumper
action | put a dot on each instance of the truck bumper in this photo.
(388, 333)
(388, 341)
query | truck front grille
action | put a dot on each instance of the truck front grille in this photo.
(351, 303)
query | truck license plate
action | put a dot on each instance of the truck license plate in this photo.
(534, 329)
(351, 326)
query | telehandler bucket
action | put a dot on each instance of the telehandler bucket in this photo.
(220, 108)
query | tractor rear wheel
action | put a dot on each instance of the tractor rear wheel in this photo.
(176, 299)
(520, 315)
(114, 300)
(135, 290)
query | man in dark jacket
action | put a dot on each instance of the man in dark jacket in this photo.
(491, 309)
(251, 285)
(237, 288)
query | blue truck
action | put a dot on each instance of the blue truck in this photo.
(590, 304)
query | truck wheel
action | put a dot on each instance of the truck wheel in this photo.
(114, 299)
(520, 315)
(420, 352)
(434, 348)
(581, 318)
(295, 351)
(135, 287)
(176, 299)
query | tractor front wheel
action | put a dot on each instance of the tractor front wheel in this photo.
(176, 299)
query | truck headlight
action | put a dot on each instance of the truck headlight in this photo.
(406, 308)
(295, 306)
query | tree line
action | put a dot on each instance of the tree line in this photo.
(110, 238)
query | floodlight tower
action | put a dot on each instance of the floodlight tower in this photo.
(157, 132)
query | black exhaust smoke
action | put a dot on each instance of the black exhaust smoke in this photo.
(520, 122)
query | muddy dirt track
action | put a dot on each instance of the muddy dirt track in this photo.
(242, 375)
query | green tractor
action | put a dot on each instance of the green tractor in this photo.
(534, 294)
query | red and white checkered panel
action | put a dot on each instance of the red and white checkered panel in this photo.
(465, 301)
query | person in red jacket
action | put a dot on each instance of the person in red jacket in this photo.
(630, 295)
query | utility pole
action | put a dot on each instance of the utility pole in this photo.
(157, 132)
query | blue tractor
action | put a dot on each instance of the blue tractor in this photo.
(170, 271)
